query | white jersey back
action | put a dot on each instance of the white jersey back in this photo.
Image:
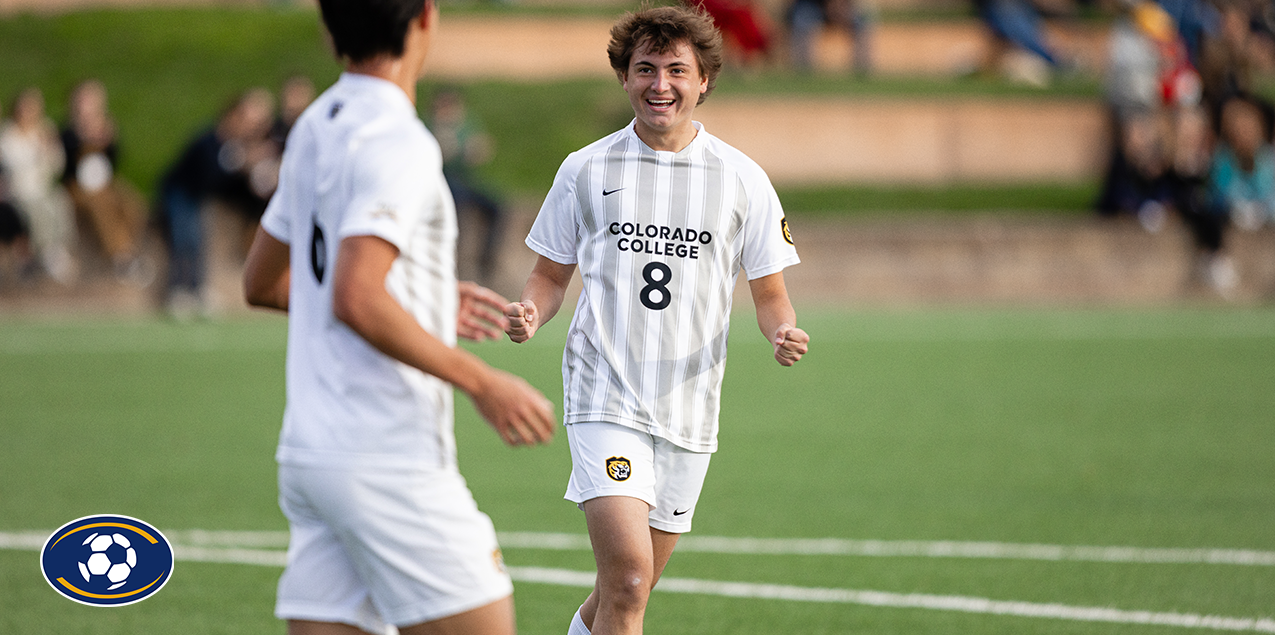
(360, 162)
(660, 238)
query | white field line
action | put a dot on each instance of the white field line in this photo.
(915, 549)
(768, 546)
(260, 556)
(912, 601)
(139, 340)
(1057, 332)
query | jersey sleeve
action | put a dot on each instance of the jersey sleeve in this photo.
(389, 187)
(768, 245)
(277, 219)
(555, 232)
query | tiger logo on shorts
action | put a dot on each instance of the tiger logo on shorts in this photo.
(618, 468)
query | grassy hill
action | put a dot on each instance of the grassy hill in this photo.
(170, 71)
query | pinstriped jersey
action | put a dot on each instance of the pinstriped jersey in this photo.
(659, 239)
(359, 162)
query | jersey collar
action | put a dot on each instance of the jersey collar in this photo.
(690, 147)
(382, 88)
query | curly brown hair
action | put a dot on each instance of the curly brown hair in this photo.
(663, 29)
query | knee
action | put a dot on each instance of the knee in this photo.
(626, 589)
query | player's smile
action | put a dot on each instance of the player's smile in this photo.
(664, 89)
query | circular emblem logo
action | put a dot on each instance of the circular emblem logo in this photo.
(107, 560)
(618, 468)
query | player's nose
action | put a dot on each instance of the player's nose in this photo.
(660, 82)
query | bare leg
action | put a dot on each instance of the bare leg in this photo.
(630, 556)
(306, 627)
(496, 618)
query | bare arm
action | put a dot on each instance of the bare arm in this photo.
(518, 412)
(541, 299)
(777, 318)
(267, 273)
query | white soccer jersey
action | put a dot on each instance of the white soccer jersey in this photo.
(659, 238)
(360, 162)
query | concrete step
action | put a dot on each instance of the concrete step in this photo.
(924, 140)
(1016, 261)
(525, 47)
(885, 261)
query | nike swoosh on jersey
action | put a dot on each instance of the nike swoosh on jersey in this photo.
(606, 192)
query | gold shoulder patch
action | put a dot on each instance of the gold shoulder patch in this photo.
(783, 226)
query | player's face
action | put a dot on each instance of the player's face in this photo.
(663, 89)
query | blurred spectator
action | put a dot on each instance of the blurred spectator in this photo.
(1134, 59)
(807, 18)
(1243, 174)
(1189, 186)
(220, 164)
(744, 26)
(32, 156)
(294, 97)
(1232, 53)
(251, 158)
(465, 147)
(1149, 76)
(110, 205)
(1136, 183)
(1016, 24)
(1193, 18)
(1241, 188)
(15, 251)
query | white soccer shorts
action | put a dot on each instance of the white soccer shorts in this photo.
(373, 549)
(612, 460)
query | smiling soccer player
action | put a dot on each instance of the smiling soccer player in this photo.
(660, 217)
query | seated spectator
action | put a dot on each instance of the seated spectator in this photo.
(15, 251)
(1227, 55)
(807, 18)
(32, 157)
(1139, 186)
(1015, 24)
(216, 165)
(108, 203)
(1149, 77)
(1189, 186)
(294, 97)
(465, 147)
(1243, 172)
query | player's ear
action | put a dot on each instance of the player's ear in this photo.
(428, 15)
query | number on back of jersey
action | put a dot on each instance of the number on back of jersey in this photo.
(318, 253)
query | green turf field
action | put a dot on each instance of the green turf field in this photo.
(901, 441)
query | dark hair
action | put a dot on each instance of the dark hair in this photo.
(363, 29)
(663, 29)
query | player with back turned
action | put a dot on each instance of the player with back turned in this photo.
(358, 245)
(659, 217)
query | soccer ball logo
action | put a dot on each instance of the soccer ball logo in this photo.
(112, 557)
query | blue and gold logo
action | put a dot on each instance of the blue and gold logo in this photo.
(107, 560)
